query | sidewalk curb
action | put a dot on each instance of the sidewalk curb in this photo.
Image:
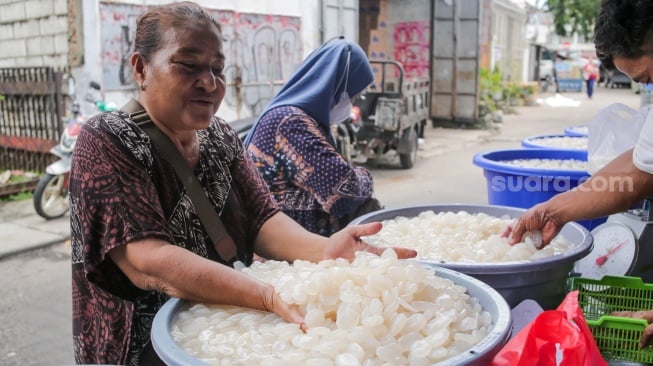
(28, 248)
(22, 229)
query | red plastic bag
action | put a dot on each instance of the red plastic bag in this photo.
(558, 337)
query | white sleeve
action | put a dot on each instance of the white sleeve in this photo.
(643, 152)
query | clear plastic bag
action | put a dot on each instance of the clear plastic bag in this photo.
(613, 130)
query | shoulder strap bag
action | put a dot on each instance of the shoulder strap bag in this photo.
(224, 244)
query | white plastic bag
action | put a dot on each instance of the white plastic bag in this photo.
(613, 130)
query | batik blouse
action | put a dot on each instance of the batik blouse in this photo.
(122, 190)
(308, 178)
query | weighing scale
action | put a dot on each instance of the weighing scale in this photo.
(623, 246)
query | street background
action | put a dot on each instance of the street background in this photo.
(35, 284)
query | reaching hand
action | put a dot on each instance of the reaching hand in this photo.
(347, 241)
(535, 219)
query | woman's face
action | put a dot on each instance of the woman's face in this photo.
(184, 80)
(639, 69)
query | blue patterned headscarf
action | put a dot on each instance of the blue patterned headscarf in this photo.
(318, 82)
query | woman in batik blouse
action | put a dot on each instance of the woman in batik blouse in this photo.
(292, 144)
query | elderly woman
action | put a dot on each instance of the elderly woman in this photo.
(294, 150)
(137, 238)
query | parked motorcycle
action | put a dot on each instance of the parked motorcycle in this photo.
(51, 192)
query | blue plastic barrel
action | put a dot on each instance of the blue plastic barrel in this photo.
(515, 186)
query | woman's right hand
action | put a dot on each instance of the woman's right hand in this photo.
(536, 218)
(291, 313)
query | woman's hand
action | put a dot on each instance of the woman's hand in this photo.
(291, 313)
(347, 241)
(535, 219)
(343, 244)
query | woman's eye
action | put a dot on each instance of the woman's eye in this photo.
(187, 65)
(218, 73)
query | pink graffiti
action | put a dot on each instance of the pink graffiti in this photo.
(411, 47)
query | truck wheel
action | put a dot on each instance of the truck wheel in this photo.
(409, 158)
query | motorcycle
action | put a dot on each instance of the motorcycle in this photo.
(51, 192)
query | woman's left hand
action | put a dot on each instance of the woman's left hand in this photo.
(642, 314)
(346, 242)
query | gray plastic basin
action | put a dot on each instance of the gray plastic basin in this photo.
(491, 301)
(543, 280)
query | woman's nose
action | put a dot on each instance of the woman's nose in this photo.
(207, 81)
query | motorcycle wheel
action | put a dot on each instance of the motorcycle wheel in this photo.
(51, 196)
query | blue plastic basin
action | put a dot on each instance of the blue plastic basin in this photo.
(576, 131)
(509, 185)
(536, 142)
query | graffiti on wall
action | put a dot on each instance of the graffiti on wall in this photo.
(117, 27)
(261, 52)
(411, 47)
(405, 42)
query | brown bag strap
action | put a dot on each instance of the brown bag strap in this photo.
(210, 219)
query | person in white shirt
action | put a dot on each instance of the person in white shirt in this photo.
(620, 43)
(643, 152)
(623, 36)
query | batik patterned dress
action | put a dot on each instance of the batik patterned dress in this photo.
(121, 191)
(308, 178)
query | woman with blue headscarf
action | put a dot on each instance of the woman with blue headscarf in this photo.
(294, 150)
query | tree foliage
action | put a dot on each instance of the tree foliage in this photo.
(578, 15)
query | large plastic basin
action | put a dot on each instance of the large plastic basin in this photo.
(543, 280)
(481, 354)
(510, 185)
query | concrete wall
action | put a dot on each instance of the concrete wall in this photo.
(508, 39)
(34, 33)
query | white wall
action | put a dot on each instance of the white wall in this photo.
(36, 33)
(508, 41)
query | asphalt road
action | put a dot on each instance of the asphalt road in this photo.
(444, 172)
(35, 303)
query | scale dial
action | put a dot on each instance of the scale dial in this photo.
(614, 252)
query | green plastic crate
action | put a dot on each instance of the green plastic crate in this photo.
(616, 337)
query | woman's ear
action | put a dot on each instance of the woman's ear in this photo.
(138, 68)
